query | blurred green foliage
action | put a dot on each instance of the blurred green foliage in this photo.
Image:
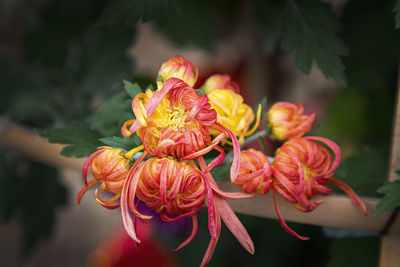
(66, 59)
(30, 194)
(355, 251)
(273, 246)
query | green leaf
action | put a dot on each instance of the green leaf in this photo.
(132, 88)
(221, 172)
(359, 251)
(364, 171)
(311, 29)
(125, 143)
(392, 198)
(109, 119)
(396, 10)
(81, 141)
(150, 86)
(397, 172)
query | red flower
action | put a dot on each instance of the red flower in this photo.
(301, 169)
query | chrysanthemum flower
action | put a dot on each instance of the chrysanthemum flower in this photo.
(254, 173)
(301, 169)
(218, 81)
(286, 120)
(175, 121)
(180, 68)
(232, 112)
(177, 189)
(110, 167)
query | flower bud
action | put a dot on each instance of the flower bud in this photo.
(180, 68)
(254, 173)
(219, 81)
(110, 168)
(286, 120)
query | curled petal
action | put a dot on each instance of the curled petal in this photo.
(236, 153)
(88, 162)
(83, 190)
(107, 203)
(284, 225)
(333, 146)
(190, 238)
(353, 196)
(124, 129)
(256, 124)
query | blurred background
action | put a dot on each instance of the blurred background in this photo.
(62, 63)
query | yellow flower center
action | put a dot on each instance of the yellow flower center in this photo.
(308, 173)
(177, 117)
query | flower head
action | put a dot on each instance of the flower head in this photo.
(171, 187)
(179, 125)
(110, 168)
(218, 81)
(254, 173)
(286, 120)
(180, 188)
(180, 68)
(233, 113)
(175, 121)
(301, 169)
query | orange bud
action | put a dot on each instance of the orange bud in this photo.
(110, 168)
(254, 173)
(180, 68)
(286, 120)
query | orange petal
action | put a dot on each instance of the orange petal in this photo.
(350, 192)
(283, 224)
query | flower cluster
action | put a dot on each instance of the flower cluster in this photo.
(170, 171)
(178, 126)
(301, 167)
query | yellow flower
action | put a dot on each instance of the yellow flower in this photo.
(218, 81)
(233, 113)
